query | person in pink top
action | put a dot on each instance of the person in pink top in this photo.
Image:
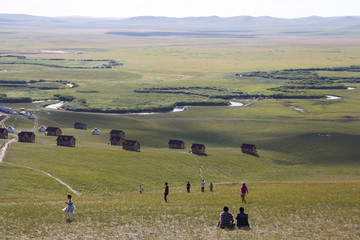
(244, 191)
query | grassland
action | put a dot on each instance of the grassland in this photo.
(303, 185)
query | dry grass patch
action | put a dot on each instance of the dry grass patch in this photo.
(277, 210)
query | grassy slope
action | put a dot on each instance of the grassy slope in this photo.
(290, 192)
(307, 210)
(294, 186)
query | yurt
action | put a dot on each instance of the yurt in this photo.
(10, 129)
(42, 128)
(96, 131)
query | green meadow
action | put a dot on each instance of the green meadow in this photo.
(304, 183)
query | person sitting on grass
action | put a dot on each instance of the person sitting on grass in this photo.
(226, 219)
(242, 219)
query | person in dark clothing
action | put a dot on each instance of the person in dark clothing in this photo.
(211, 186)
(226, 219)
(166, 191)
(242, 219)
(188, 186)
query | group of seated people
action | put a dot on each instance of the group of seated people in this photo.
(227, 219)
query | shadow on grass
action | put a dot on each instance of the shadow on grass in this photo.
(200, 154)
(253, 154)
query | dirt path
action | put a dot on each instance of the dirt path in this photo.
(48, 174)
(200, 167)
(4, 148)
(253, 101)
(3, 154)
(36, 121)
(2, 122)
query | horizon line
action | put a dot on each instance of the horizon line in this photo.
(207, 16)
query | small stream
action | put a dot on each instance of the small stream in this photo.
(179, 109)
(332, 97)
(236, 104)
(176, 109)
(298, 109)
(41, 101)
(55, 105)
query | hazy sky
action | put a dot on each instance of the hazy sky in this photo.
(182, 8)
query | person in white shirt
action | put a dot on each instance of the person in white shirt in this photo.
(203, 186)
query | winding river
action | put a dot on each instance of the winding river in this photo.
(236, 104)
(55, 105)
(331, 97)
(298, 109)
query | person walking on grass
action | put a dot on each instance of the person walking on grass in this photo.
(244, 191)
(188, 186)
(211, 186)
(203, 186)
(70, 208)
(166, 193)
(226, 219)
(242, 219)
(140, 189)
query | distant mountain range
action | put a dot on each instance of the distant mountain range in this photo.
(241, 24)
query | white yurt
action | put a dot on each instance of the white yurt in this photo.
(10, 129)
(42, 128)
(96, 131)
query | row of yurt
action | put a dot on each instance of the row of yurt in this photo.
(55, 131)
(62, 140)
(198, 148)
(50, 131)
(27, 114)
(117, 137)
(7, 110)
(83, 126)
(11, 111)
